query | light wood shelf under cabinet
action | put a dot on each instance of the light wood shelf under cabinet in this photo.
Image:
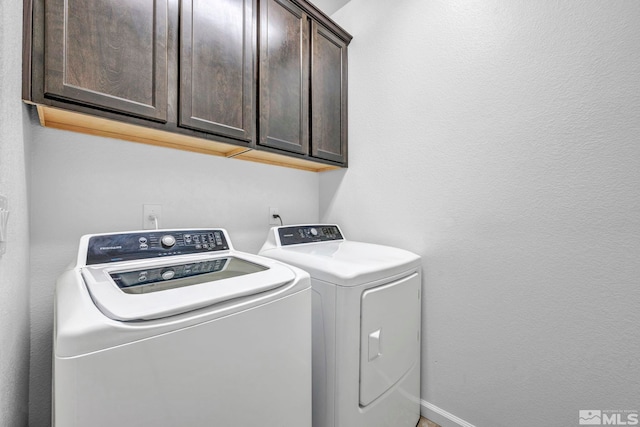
(91, 125)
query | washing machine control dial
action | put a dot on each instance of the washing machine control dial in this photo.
(168, 241)
(313, 231)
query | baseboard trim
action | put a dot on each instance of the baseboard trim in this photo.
(440, 416)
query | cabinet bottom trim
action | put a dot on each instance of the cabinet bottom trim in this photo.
(77, 122)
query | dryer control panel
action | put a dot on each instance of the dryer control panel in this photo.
(298, 234)
(152, 244)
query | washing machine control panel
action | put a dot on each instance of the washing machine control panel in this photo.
(152, 244)
(299, 234)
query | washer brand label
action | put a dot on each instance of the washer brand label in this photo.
(110, 248)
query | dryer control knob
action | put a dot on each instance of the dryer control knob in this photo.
(314, 232)
(168, 241)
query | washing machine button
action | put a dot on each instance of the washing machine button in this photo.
(168, 274)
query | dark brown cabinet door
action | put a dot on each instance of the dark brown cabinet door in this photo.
(284, 76)
(328, 95)
(111, 54)
(216, 67)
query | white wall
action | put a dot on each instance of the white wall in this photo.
(84, 184)
(500, 140)
(330, 6)
(14, 265)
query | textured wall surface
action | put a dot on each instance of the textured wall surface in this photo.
(14, 265)
(500, 140)
(83, 184)
(330, 6)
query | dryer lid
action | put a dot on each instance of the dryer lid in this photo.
(151, 290)
(344, 262)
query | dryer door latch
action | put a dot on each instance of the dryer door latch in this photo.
(374, 345)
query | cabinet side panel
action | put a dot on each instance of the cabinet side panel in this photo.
(27, 47)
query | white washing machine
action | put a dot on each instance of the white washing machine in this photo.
(366, 325)
(175, 328)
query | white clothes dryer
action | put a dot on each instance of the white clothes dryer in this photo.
(174, 328)
(366, 325)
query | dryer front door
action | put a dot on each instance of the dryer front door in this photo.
(390, 335)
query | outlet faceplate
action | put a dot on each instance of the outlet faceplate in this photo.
(149, 212)
(272, 220)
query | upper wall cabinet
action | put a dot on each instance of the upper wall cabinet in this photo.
(303, 83)
(216, 67)
(108, 53)
(260, 80)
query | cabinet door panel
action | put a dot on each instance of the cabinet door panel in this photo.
(216, 67)
(328, 95)
(108, 53)
(284, 76)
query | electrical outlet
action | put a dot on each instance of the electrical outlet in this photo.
(149, 212)
(272, 220)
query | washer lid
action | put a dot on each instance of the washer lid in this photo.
(151, 290)
(345, 263)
